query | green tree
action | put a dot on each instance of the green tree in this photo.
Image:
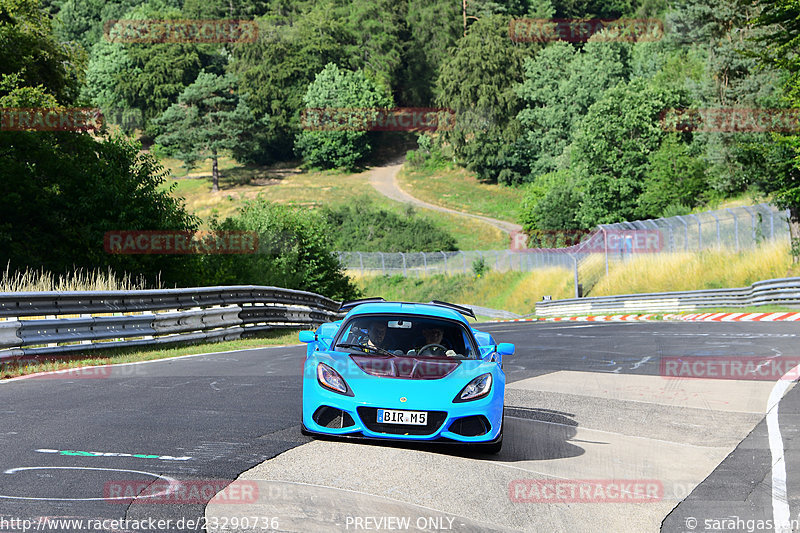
(83, 21)
(35, 67)
(733, 78)
(551, 202)
(343, 90)
(675, 179)
(611, 150)
(209, 117)
(294, 251)
(434, 26)
(373, 42)
(560, 85)
(276, 70)
(781, 20)
(477, 82)
(150, 76)
(64, 191)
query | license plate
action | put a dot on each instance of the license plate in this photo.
(413, 418)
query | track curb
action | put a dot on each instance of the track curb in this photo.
(694, 317)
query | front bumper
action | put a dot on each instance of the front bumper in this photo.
(479, 421)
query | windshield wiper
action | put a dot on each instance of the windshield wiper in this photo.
(364, 349)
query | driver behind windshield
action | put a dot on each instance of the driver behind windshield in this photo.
(434, 343)
(376, 334)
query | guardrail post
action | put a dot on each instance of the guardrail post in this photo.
(735, 226)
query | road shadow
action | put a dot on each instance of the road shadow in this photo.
(528, 435)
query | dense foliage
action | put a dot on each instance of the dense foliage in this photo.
(578, 124)
(295, 251)
(364, 227)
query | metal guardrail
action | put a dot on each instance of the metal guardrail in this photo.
(784, 292)
(33, 323)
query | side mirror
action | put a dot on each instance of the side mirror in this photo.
(308, 336)
(505, 348)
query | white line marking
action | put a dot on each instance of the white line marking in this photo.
(780, 501)
(173, 483)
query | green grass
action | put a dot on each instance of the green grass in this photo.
(459, 189)
(291, 186)
(131, 355)
(517, 292)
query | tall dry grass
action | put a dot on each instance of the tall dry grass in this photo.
(79, 280)
(710, 269)
(519, 291)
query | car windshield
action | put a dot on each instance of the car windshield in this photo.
(409, 336)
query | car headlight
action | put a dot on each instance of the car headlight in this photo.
(477, 388)
(332, 380)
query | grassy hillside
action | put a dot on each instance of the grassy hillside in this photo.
(459, 189)
(292, 186)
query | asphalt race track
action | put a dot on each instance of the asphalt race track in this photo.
(586, 408)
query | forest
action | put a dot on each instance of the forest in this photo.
(578, 123)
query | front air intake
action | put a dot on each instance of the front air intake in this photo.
(332, 418)
(471, 426)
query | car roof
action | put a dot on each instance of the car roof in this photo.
(428, 310)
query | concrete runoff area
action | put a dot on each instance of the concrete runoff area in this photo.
(562, 427)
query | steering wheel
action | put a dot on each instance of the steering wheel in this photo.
(436, 349)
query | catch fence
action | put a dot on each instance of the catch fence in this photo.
(737, 228)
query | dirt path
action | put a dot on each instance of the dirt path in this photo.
(384, 179)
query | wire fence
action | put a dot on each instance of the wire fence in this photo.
(737, 228)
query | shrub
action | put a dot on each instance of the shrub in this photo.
(364, 227)
(294, 252)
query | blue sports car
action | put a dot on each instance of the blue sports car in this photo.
(405, 371)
